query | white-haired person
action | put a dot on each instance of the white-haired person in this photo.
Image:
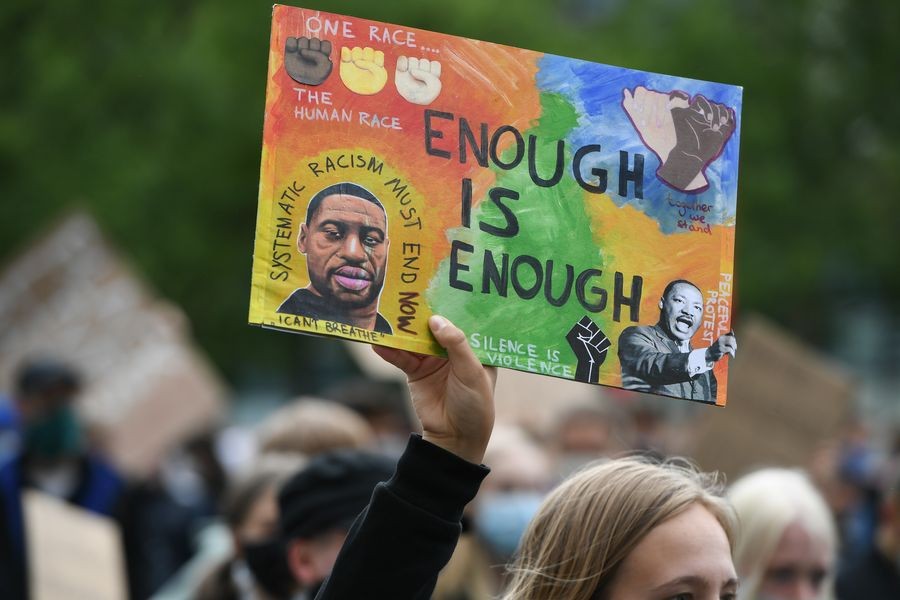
(787, 541)
(624, 529)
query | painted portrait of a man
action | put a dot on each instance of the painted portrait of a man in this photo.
(345, 241)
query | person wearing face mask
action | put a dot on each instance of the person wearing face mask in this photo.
(508, 499)
(787, 542)
(659, 358)
(318, 504)
(53, 458)
(510, 496)
(257, 568)
(876, 574)
(627, 528)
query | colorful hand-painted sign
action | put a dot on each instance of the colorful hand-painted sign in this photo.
(574, 219)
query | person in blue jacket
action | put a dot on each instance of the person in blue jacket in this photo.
(53, 458)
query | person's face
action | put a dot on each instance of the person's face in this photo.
(41, 404)
(686, 557)
(682, 311)
(346, 250)
(798, 567)
(261, 521)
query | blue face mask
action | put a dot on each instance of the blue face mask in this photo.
(502, 518)
(55, 435)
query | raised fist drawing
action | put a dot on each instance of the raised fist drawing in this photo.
(686, 135)
(418, 79)
(307, 60)
(589, 345)
(362, 70)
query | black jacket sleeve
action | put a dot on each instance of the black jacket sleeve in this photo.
(406, 535)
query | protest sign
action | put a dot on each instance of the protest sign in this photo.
(72, 553)
(70, 295)
(542, 203)
(778, 384)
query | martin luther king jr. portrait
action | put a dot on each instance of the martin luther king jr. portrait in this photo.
(659, 358)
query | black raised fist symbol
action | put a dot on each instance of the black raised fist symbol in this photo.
(589, 345)
(307, 60)
(701, 130)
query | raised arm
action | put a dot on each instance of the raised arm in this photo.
(453, 397)
(406, 535)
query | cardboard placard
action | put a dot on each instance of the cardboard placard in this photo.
(72, 553)
(778, 383)
(542, 203)
(70, 295)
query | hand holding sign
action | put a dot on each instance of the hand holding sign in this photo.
(362, 70)
(307, 60)
(453, 396)
(418, 79)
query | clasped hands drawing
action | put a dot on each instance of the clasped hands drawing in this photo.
(308, 61)
(685, 133)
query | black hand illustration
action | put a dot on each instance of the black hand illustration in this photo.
(701, 131)
(307, 60)
(589, 345)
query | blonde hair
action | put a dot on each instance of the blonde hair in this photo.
(767, 502)
(310, 426)
(588, 525)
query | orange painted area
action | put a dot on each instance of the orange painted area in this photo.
(673, 258)
(483, 83)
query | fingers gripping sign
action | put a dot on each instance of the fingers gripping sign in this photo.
(453, 396)
(307, 60)
(418, 80)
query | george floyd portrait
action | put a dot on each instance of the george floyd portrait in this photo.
(345, 241)
(659, 358)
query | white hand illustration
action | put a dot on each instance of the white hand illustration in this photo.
(651, 114)
(418, 79)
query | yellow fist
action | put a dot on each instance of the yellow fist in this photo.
(362, 70)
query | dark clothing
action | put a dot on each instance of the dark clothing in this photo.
(99, 490)
(406, 535)
(304, 303)
(872, 577)
(653, 362)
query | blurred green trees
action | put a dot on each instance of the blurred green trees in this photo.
(150, 116)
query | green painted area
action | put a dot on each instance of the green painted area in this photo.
(553, 226)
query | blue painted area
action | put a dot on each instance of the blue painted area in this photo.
(596, 91)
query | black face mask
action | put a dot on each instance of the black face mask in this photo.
(268, 562)
(314, 589)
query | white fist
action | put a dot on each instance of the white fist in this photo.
(418, 79)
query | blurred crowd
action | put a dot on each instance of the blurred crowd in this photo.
(268, 522)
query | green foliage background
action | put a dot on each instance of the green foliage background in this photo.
(150, 116)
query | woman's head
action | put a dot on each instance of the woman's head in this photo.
(628, 528)
(787, 541)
